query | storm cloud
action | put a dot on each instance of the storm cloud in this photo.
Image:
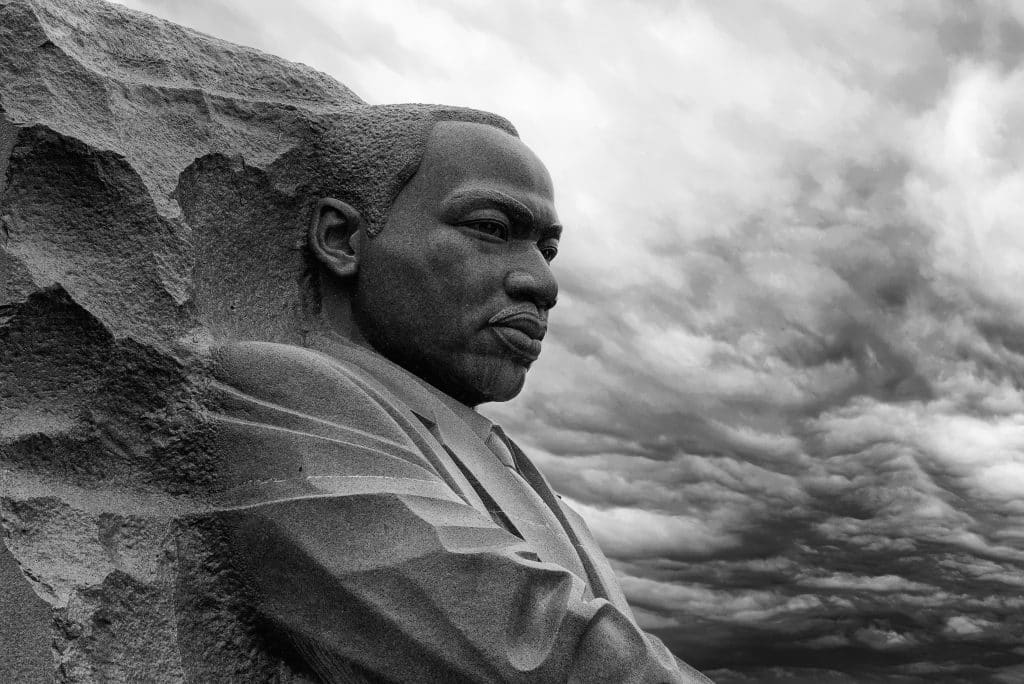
(784, 379)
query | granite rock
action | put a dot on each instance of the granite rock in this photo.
(107, 295)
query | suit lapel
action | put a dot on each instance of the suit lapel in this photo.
(529, 515)
(597, 563)
(599, 571)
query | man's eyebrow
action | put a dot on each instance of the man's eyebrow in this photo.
(519, 211)
(553, 232)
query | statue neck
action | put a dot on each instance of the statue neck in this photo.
(336, 314)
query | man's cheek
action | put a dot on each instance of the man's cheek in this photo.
(450, 254)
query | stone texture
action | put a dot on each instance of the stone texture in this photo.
(101, 111)
(25, 649)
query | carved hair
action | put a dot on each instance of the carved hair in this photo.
(369, 154)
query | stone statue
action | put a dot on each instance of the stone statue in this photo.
(245, 319)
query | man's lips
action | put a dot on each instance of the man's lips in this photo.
(520, 329)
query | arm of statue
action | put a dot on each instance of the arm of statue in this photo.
(376, 562)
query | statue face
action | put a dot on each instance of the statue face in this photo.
(457, 286)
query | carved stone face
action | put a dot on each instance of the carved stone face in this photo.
(457, 286)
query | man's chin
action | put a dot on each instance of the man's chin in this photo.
(502, 393)
(470, 377)
(487, 378)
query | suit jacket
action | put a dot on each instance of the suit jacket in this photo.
(382, 529)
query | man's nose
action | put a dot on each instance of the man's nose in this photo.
(530, 279)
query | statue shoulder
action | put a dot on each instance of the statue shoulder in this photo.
(298, 379)
(281, 406)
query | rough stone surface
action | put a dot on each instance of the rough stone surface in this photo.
(25, 649)
(101, 111)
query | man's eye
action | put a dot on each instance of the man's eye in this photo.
(549, 251)
(491, 228)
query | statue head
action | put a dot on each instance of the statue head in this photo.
(442, 266)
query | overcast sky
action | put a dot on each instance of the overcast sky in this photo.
(784, 379)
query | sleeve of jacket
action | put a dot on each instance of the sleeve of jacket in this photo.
(359, 553)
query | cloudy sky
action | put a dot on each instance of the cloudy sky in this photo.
(784, 380)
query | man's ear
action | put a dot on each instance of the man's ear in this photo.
(335, 234)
